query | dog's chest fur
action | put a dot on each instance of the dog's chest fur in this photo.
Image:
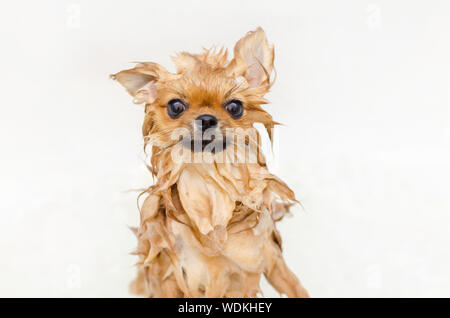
(211, 232)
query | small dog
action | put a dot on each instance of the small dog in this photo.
(208, 223)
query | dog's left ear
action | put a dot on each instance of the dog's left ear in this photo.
(141, 81)
(253, 58)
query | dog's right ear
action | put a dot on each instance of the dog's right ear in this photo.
(141, 81)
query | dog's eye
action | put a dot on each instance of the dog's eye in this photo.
(176, 107)
(234, 108)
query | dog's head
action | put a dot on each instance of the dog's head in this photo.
(208, 97)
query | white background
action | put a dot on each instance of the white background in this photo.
(362, 91)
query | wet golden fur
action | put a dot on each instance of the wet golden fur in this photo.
(208, 229)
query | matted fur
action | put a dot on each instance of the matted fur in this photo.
(208, 229)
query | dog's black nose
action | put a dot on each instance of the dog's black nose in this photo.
(206, 121)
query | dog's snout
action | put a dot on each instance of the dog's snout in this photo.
(206, 121)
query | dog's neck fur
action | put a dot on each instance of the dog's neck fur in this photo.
(209, 191)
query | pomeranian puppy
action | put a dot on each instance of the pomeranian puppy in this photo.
(207, 226)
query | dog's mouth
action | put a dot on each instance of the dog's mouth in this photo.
(213, 145)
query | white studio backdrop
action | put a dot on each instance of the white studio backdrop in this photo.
(362, 90)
